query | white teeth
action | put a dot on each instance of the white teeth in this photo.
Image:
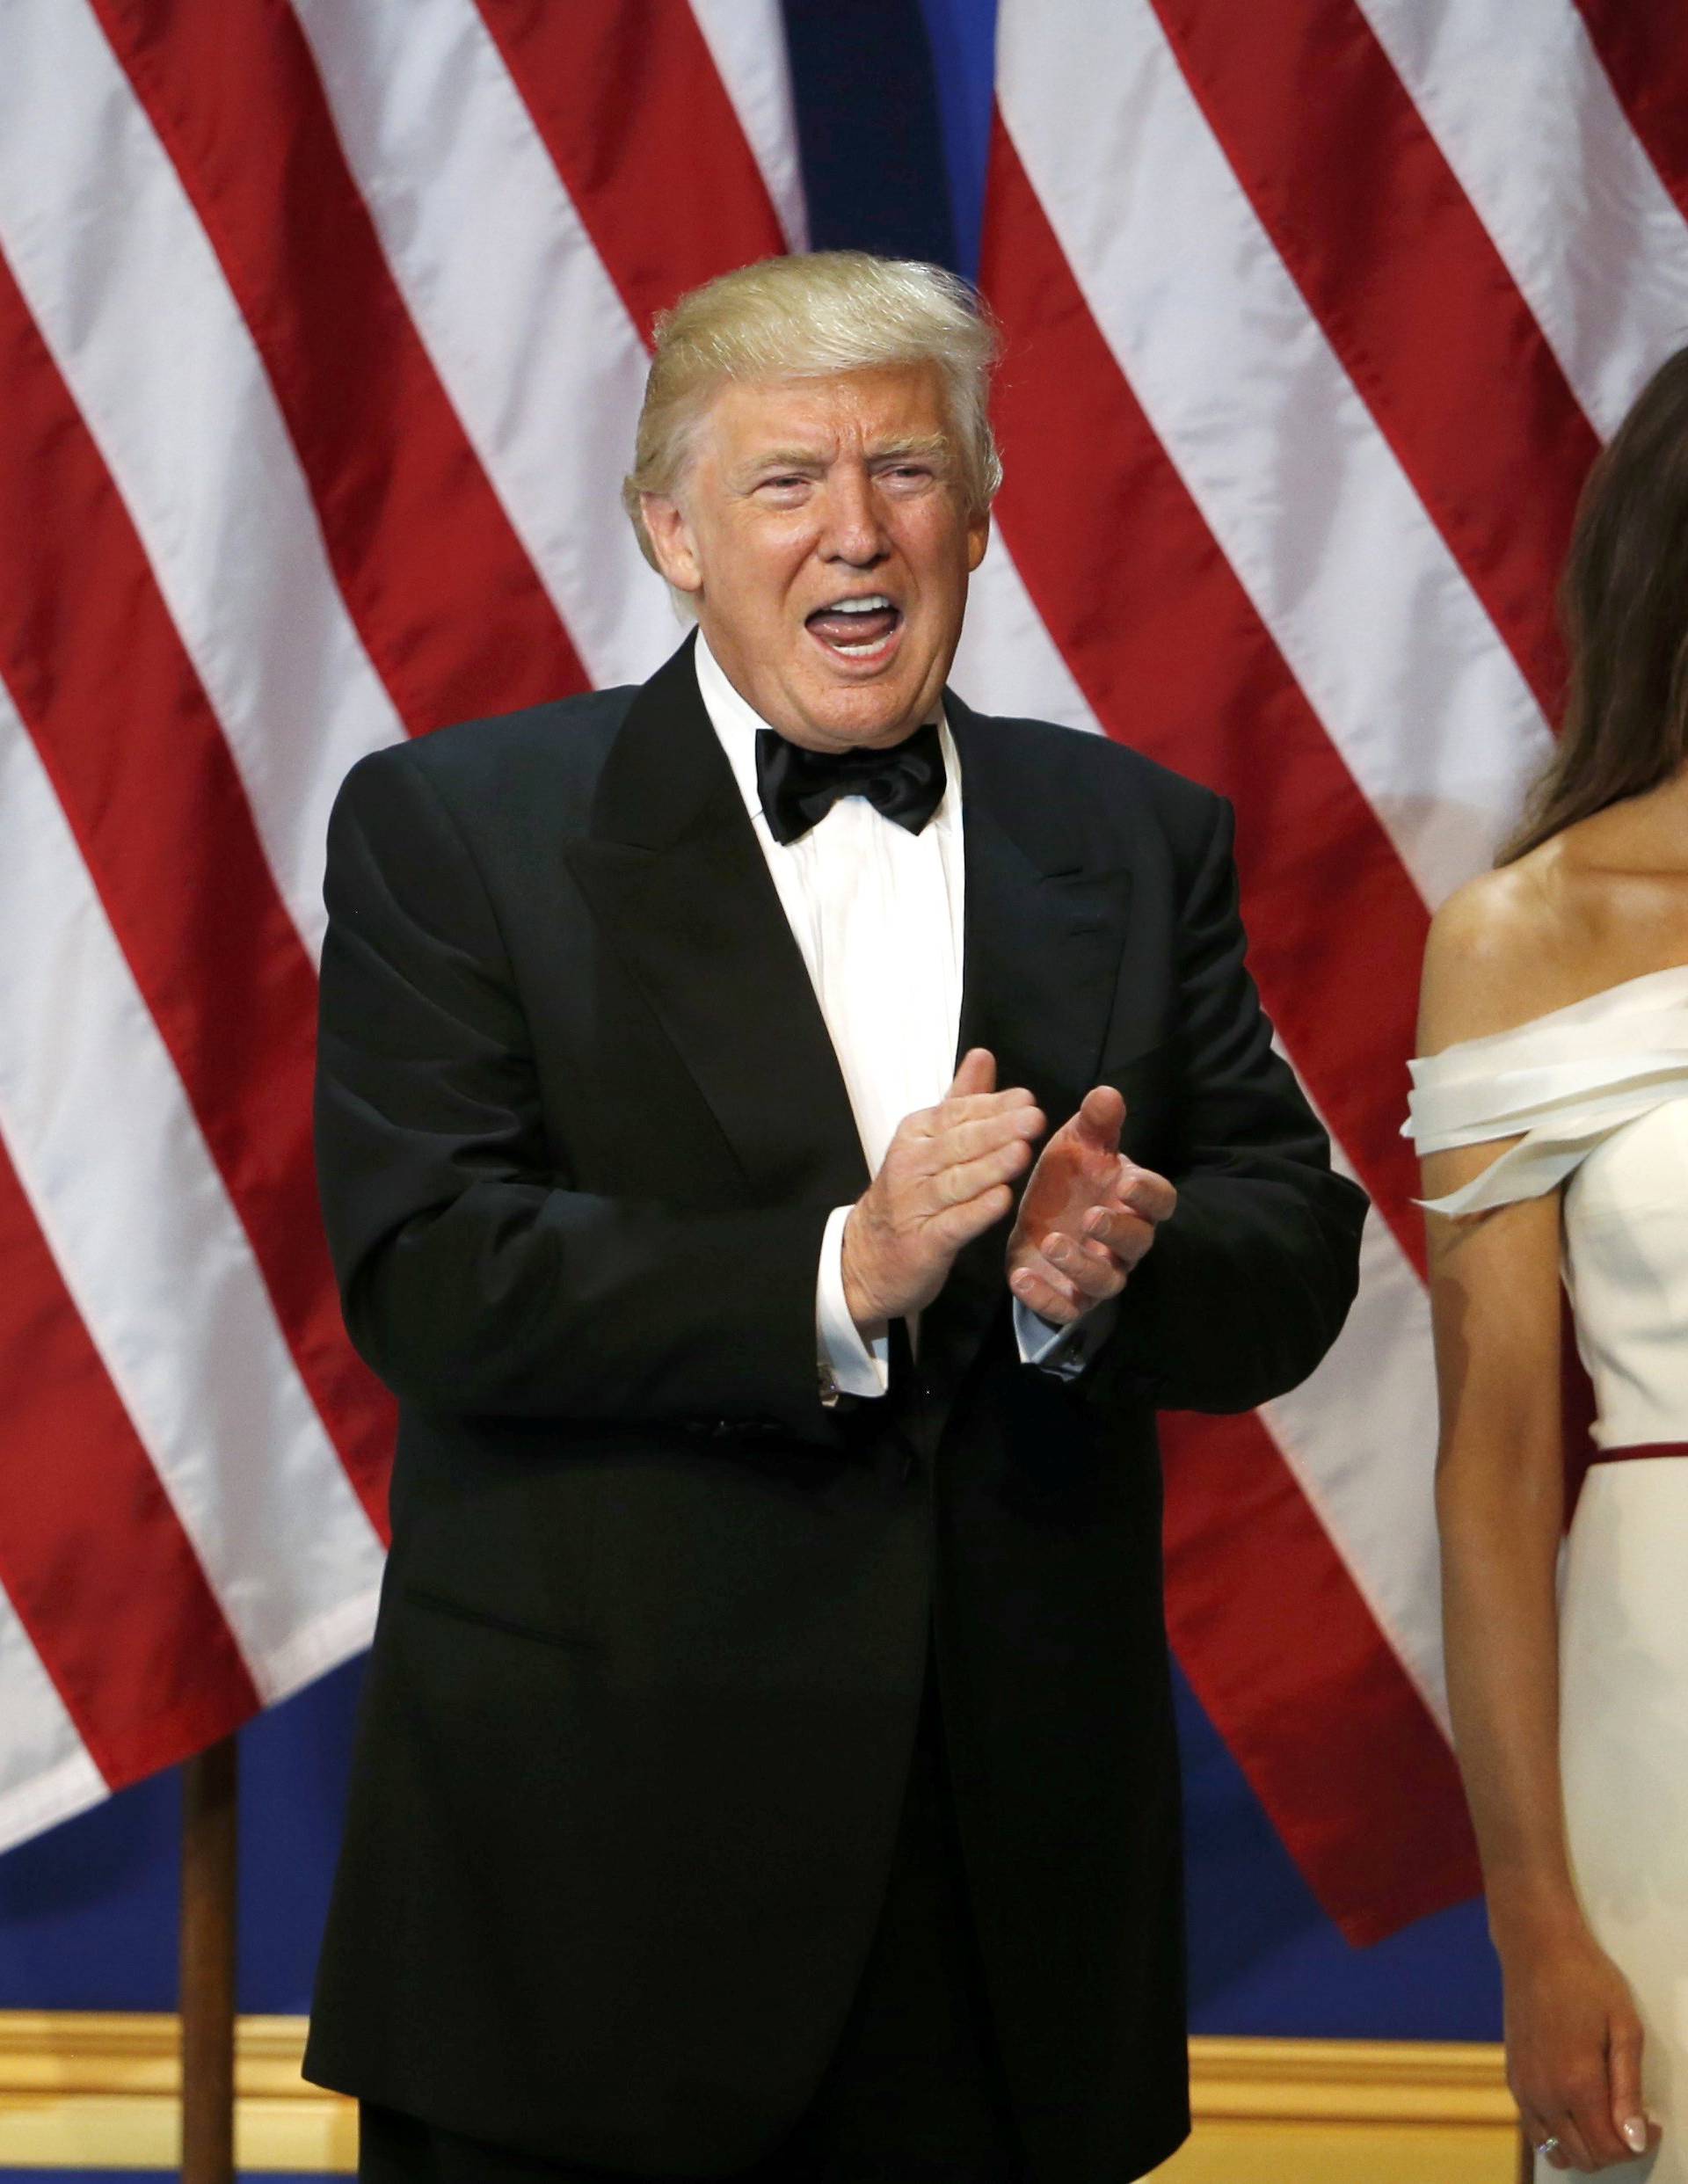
(858, 606)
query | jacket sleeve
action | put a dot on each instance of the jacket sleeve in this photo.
(474, 1277)
(1248, 1283)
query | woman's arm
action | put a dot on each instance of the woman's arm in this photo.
(1572, 2037)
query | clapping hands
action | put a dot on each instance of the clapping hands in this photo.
(1087, 1217)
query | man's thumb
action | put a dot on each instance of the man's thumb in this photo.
(977, 1074)
(1102, 1116)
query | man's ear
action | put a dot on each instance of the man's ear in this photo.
(979, 537)
(670, 541)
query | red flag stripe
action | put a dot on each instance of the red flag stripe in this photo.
(1181, 666)
(88, 642)
(1283, 1654)
(1385, 246)
(444, 596)
(1642, 48)
(627, 97)
(93, 1556)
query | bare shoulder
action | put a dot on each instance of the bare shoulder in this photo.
(1496, 950)
(1604, 900)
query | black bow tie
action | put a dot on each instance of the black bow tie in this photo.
(799, 787)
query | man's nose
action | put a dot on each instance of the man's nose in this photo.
(853, 530)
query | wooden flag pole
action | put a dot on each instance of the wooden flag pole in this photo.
(206, 1973)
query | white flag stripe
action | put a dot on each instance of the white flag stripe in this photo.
(129, 295)
(45, 1772)
(156, 1262)
(1525, 115)
(1313, 511)
(746, 39)
(1007, 661)
(527, 331)
(1360, 1437)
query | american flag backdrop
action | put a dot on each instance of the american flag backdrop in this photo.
(323, 331)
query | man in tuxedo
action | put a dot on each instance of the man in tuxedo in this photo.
(782, 1134)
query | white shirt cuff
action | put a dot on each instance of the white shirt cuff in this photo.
(849, 1365)
(1064, 1351)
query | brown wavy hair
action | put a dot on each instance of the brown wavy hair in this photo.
(1623, 607)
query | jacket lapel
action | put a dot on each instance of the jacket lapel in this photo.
(1044, 929)
(678, 881)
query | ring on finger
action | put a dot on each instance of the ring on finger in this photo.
(1548, 2145)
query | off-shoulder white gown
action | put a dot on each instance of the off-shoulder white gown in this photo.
(1597, 1096)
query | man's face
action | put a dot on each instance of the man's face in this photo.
(820, 533)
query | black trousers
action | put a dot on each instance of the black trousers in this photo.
(914, 2092)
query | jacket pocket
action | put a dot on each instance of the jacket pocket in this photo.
(434, 1603)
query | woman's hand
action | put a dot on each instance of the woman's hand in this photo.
(1573, 2052)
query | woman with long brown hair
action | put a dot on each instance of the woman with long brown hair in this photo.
(1550, 1106)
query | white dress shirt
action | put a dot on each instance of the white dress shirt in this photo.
(877, 914)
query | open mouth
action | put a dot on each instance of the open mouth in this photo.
(863, 629)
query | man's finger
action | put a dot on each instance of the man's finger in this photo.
(951, 1113)
(956, 1108)
(961, 1181)
(1036, 1288)
(977, 1074)
(966, 1140)
(1120, 1230)
(1145, 1192)
(1097, 1273)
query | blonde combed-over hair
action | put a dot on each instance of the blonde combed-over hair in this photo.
(807, 317)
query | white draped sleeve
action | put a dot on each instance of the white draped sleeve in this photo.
(1561, 1085)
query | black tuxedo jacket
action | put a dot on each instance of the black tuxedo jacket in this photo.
(653, 1629)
